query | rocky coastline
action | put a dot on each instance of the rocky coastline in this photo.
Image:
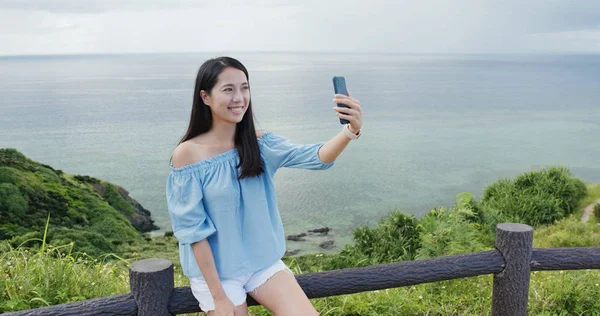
(315, 235)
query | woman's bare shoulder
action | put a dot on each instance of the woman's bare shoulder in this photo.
(193, 151)
(187, 153)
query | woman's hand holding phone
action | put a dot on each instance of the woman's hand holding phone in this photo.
(352, 113)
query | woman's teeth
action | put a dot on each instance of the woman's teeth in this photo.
(236, 109)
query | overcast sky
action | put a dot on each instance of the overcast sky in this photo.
(415, 26)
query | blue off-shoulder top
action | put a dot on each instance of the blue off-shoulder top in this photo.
(240, 218)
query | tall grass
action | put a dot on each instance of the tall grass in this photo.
(53, 275)
(49, 277)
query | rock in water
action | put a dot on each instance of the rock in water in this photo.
(297, 237)
(329, 244)
(323, 230)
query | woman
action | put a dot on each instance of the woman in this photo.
(222, 201)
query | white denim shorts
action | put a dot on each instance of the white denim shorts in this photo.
(235, 288)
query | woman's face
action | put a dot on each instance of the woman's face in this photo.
(229, 98)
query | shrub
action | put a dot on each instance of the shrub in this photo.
(86, 179)
(112, 196)
(395, 238)
(537, 197)
(89, 242)
(8, 175)
(12, 204)
(448, 232)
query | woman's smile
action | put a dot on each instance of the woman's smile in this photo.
(238, 109)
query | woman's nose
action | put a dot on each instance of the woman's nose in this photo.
(237, 97)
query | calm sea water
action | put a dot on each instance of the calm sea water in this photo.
(434, 125)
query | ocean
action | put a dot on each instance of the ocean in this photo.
(434, 125)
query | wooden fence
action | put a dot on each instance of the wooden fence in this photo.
(153, 292)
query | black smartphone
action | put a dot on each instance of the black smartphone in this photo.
(339, 87)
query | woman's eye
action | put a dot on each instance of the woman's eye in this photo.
(246, 88)
(228, 89)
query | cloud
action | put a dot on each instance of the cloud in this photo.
(103, 6)
(427, 26)
(37, 23)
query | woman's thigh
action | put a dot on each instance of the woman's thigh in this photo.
(240, 310)
(283, 296)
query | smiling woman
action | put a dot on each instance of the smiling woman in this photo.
(232, 94)
(221, 195)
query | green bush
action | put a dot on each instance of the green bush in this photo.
(47, 175)
(89, 242)
(537, 197)
(13, 207)
(115, 230)
(8, 231)
(11, 157)
(597, 212)
(449, 232)
(112, 196)
(8, 175)
(395, 238)
(86, 179)
(488, 218)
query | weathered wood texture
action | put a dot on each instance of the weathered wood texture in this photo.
(511, 286)
(151, 282)
(111, 305)
(385, 276)
(182, 301)
(565, 258)
(377, 277)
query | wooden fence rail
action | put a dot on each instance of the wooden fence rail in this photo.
(153, 292)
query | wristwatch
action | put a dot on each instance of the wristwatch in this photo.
(348, 133)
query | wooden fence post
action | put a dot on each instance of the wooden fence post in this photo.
(151, 282)
(511, 286)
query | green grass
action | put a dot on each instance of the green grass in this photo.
(54, 275)
(157, 247)
(36, 279)
(47, 278)
(51, 274)
(591, 197)
(569, 232)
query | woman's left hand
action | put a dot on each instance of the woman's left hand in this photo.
(352, 114)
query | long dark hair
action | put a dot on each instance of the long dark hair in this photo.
(201, 117)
